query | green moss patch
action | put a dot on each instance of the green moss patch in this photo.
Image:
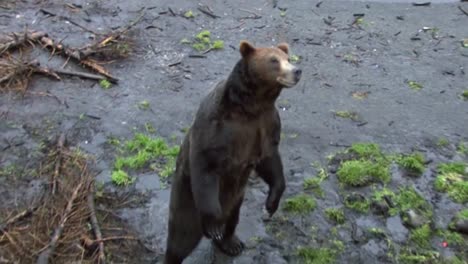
(464, 95)
(203, 43)
(313, 183)
(452, 178)
(335, 215)
(300, 204)
(362, 172)
(140, 152)
(317, 255)
(452, 238)
(421, 236)
(463, 214)
(407, 198)
(365, 164)
(413, 164)
(419, 257)
(357, 203)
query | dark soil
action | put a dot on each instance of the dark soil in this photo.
(378, 55)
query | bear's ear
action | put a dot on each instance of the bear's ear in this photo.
(284, 47)
(246, 48)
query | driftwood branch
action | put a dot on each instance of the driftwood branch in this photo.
(76, 54)
(49, 249)
(15, 40)
(17, 218)
(96, 228)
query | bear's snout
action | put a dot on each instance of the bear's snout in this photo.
(297, 74)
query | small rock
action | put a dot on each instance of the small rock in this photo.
(380, 207)
(414, 220)
(396, 229)
(461, 226)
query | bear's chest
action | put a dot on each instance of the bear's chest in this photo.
(249, 143)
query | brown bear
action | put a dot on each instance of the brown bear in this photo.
(236, 130)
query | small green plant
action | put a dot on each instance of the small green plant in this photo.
(415, 85)
(452, 238)
(347, 114)
(442, 142)
(452, 178)
(150, 128)
(351, 58)
(203, 42)
(336, 215)
(408, 198)
(377, 232)
(294, 58)
(359, 205)
(418, 257)
(464, 95)
(300, 204)
(142, 149)
(189, 14)
(366, 150)
(144, 105)
(185, 41)
(282, 13)
(462, 148)
(203, 35)
(413, 163)
(362, 172)
(199, 46)
(421, 236)
(105, 84)
(114, 141)
(312, 183)
(218, 44)
(121, 178)
(316, 255)
(463, 214)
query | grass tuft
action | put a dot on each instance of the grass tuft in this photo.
(317, 255)
(421, 236)
(413, 163)
(300, 204)
(336, 215)
(452, 178)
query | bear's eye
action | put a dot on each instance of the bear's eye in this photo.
(274, 60)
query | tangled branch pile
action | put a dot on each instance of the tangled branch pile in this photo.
(15, 72)
(64, 226)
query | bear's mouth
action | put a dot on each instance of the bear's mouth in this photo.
(285, 82)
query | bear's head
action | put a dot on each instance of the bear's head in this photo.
(270, 66)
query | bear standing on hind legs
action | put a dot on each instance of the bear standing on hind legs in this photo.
(236, 130)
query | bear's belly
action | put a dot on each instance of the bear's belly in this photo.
(232, 187)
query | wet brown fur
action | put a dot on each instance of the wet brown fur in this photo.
(236, 130)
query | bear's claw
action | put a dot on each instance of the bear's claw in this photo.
(232, 246)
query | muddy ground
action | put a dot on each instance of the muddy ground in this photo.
(378, 56)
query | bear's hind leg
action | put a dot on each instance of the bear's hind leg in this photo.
(184, 236)
(231, 245)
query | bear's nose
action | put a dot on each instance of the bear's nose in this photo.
(297, 73)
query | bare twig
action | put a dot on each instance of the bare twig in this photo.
(96, 228)
(80, 74)
(17, 218)
(255, 15)
(19, 39)
(49, 249)
(58, 163)
(463, 10)
(205, 10)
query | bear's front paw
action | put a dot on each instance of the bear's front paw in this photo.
(272, 206)
(213, 229)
